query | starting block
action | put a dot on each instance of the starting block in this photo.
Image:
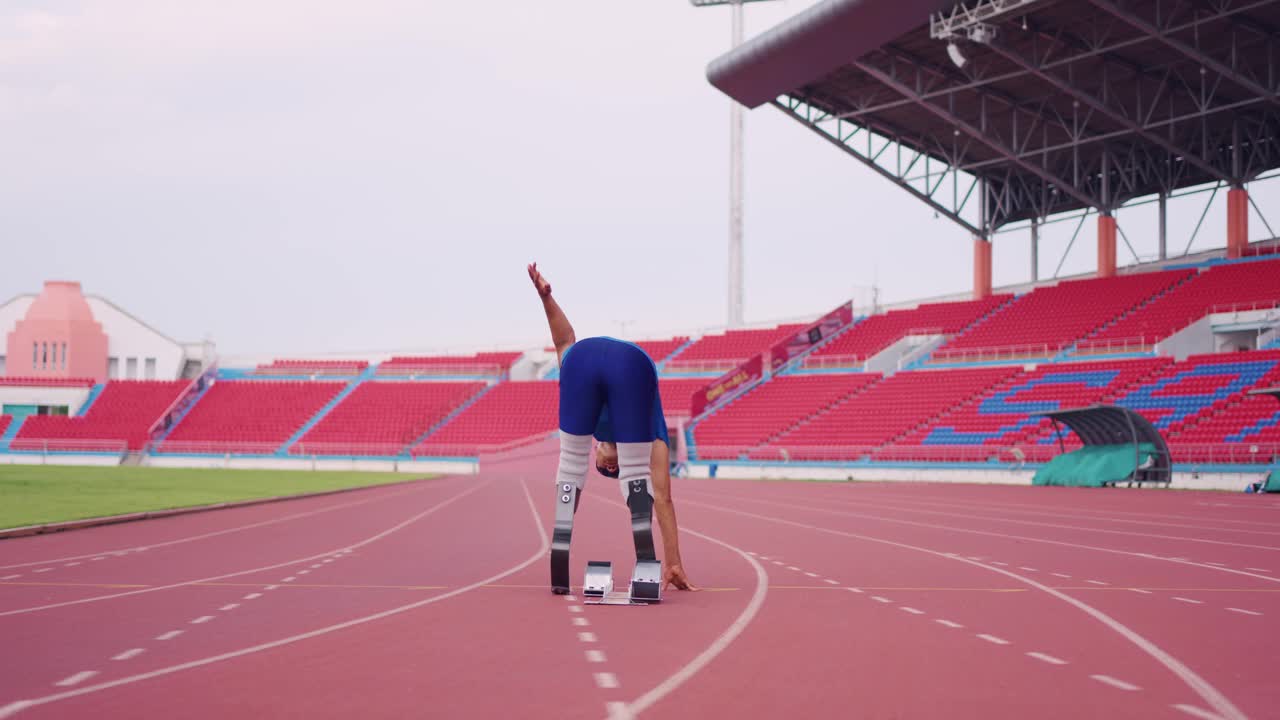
(645, 589)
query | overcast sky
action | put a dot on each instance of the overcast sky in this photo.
(304, 176)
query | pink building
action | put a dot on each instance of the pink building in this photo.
(58, 337)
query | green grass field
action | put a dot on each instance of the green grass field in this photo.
(34, 494)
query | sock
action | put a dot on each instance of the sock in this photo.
(633, 464)
(575, 451)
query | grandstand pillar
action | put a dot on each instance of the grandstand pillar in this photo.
(1163, 210)
(1035, 250)
(1106, 245)
(1237, 221)
(981, 268)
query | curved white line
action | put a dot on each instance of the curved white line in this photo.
(179, 541)
(309, 558)
(543, 548)
(1199, 685)
(951, 528)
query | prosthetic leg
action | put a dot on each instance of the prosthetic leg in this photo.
(646, 579)
(570, 477)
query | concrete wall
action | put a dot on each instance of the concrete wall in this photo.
(128, 338)
(59, 459)
(446, 467)
(73, 398)
(1194, 339)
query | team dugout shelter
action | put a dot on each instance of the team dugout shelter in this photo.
(996, 112)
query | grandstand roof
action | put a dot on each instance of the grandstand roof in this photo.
(1072, 104)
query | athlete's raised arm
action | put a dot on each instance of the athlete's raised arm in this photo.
(561, 331)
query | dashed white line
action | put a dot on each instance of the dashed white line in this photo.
(76, 679)
(829, 581)
(11, 577)
(571, 598)
(14, 707)
(1244, 612)
(750, 553)
(975, 558)
(1261, 570)
(1061, 575)
(1113, 682)
(326, 561)
(315, 567)
(1194, 711)
(271, 587)
(618, 711)
(303, 572)
(291, 578)
(575, 608)
(135, 652)
(42, 570)
(252, 596)
(595, 656)
(1047, 658)
(71, 564)
(1097, 582)
(202, 619)
(581, 622)
(911, 610)
(1139, 590)
(778, 562)
(811, 574)
(231, 606)
(854, 590)
(793, 567)
(1210, 562)
(586, 637)
(765, 557)
(993, 639)
(879, 599)
(605, 680)
(1028, 569)
(1188, 600)
(169, 635)
(948, 623)
(1001, 564)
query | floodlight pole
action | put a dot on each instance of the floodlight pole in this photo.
(736, 174)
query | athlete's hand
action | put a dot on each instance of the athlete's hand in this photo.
(539, 283)
(674, 575)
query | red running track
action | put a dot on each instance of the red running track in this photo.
(846, 600)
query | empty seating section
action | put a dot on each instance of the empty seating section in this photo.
(773, 408)
(484, 363)
(676, 394)
(382, 418)
(1003, 416)
(124, 412)
(721, 352)
(248, 415)
(4, 423)
(45, 382)
(884, 411)
(510, 412)
(877, 332)
(312, 367)
(1049, 319)
(1223, 287)
(660, 349)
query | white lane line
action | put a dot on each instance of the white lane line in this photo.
(317, 566)
(14, 708)
(326, 561)
(11, 577)
(291, 578)
(271, 587)
(304, 572)
(1061, 575)
(605, 680)
(1139, 590)
(1047, 658)
(76, 679)
(571, 598)
(371, 539)
(1097, 582)
(879, 599)
(997, 562)
(586, 637)
(252, 596)
(765, 557)
(911, 610)
(977, 558)
(100, 557)
(42, 570)
(854, 590)
(617, 711)
(1194, 711)
(993, 639)
(811, 574)
(750, 553)
(231, 606)
(581, 621)
(1245, 612)
(1113, 682)
(71, 564)
(1262, 570)
(575, 608)
(948, 623)
(1210, 562)
(793, 567)
(1028, 569)
(202, 619)
(543, 548)
(778, 562)
(595, 656)
(169, 635)
(829, 581)
(135, 652)
(1188, 600)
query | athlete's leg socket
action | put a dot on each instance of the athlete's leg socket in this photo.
(633, 464)
(575, 453)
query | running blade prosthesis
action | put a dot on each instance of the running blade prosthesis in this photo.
(646, 579)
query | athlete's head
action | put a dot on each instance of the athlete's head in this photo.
(607, 459)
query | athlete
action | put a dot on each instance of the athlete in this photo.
(609, 388)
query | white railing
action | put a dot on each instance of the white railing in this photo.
(217, 447)
(358, 449)
(1226, 453)
(1027, 351)
(115, 447)
(1108, 346)
(834, 362)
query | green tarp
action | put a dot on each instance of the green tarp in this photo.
(1093, 466)
(1273, 482)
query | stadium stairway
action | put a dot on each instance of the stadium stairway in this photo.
(177, 419)
(1070, 351)
(674, 353)
(94, 392)
(927, 359)
(447, 418)
(365, 374)
(11, 432)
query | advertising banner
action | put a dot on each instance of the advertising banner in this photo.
(823, 328)
(725, 385)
